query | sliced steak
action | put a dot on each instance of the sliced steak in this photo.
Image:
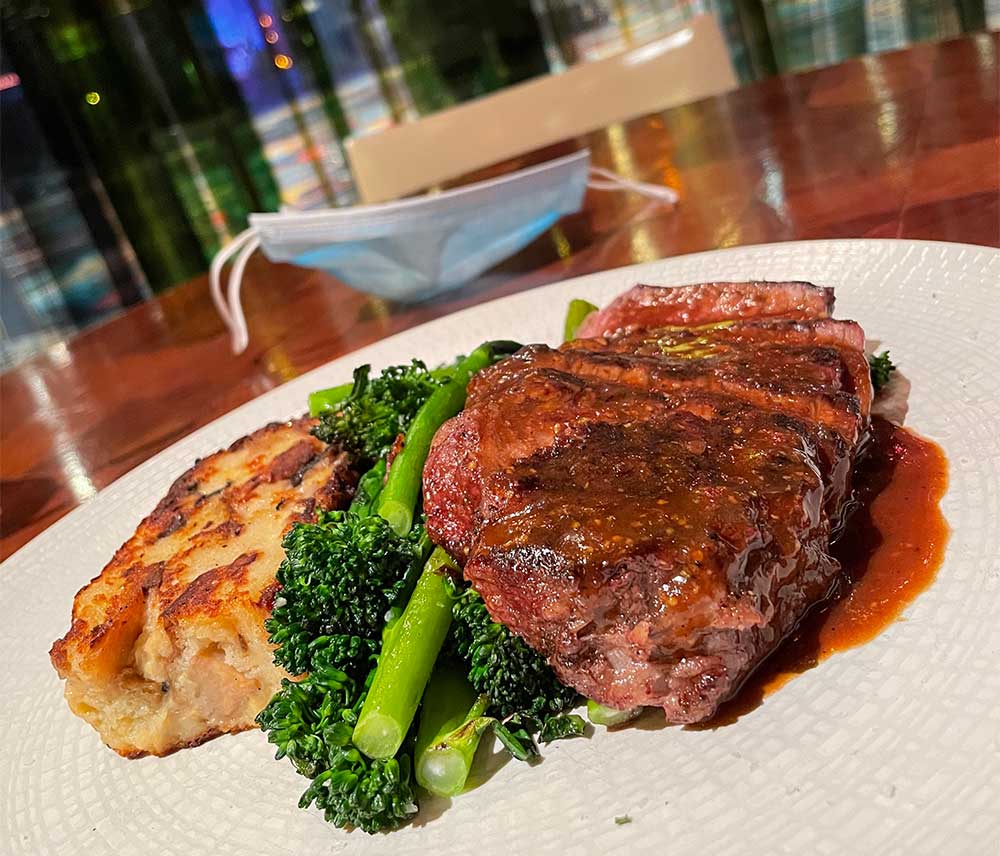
(649, 306)
(807, 381)
(652, 508)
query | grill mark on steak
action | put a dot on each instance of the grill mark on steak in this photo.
(653, 510)
(803, 381)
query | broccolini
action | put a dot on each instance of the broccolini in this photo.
(881, 368)
(339, 577)
(377, 410)
(524, 692)
(310, 722)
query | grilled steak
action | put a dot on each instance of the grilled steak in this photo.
(651, 507)
(167, 647)
(649, 306)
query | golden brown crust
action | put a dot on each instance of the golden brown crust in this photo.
(167, 648)
(204, 737)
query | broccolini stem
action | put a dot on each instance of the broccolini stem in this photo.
(609, 717)
(410, 648)
(323, 400)
(424, 548)
(577, 311)
(402, 487)
(451, 724)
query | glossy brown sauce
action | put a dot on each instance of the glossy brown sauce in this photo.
(890, 550)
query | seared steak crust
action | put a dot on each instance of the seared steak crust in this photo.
(652, 507)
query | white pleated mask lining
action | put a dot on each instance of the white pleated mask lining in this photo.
(227, 299)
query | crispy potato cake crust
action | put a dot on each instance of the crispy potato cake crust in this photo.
(167, 647)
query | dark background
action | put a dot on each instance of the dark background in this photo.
(138, 134)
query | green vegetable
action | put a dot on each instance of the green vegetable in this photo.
(324, 400)
(339, 577)
(367, 492)
(516, 739)
(402, 487)
(610, 716)
(515, 677)
(376, 410)
(525, 695)
(561, 726)
(344, 582)
(576, 313)
(409, 651)
(310, 722)
(622, 819)
(451, 725)
(881, 368)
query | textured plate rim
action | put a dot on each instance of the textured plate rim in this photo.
(737, 765)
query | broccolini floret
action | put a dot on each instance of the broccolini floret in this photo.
(523, 690)
(377, 410)
(340, 576)
(310, 721)
(881, 368)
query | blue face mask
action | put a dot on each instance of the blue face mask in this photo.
(415, 248)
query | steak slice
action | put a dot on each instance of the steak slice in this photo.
(649, 306)
(652, 508)
(805, 381)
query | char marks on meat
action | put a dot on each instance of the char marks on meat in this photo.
(651, 507)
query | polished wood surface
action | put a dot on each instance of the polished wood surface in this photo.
(902, 145)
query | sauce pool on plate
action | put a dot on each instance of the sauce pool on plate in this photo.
(890, 551)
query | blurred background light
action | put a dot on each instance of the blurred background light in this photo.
(212, 109)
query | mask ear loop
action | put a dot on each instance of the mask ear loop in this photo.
(246, 243)
(617, 182)
(238, 321)
(215, 274)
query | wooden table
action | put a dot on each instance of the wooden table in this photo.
(903, 145)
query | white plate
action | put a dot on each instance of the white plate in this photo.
(892, 747)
